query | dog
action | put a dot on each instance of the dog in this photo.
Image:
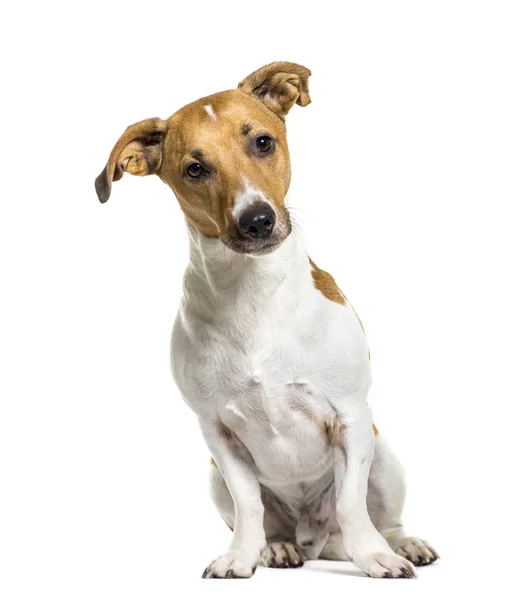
(266, 349)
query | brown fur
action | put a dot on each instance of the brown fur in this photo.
(279, 86)
(137, 151)
(208, 206)
(225, 146)
(331, 427)
(334, 429)
(325, 283)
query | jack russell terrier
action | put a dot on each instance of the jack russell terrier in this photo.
(266, 349)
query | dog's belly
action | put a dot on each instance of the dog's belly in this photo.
(277, 423)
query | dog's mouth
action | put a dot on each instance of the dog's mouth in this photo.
(243, 244)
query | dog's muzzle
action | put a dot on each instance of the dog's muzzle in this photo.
(257, 229)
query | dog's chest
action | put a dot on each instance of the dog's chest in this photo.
(273, 401)
(270, 389)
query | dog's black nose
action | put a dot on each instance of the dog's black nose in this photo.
(257, 221)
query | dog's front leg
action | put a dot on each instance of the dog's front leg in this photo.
(354, 448)
(248, 539)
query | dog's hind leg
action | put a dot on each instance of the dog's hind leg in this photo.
(385, 500)
(281, 552)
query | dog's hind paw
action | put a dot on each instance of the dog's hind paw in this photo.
(282, 555)
(417, 551)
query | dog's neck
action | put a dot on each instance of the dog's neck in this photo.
(219, 281)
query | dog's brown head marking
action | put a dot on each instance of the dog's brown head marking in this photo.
(224, 156)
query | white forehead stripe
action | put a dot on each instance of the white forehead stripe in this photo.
(210, 112)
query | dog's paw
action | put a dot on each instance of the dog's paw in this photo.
(282, 555)
(417, 551)
(387, 565)
(229, 566)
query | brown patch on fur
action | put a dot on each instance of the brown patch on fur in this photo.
(279, 86)
(325, 283)
(331, 428)
(334, 429)
(375, 430)
(137, 151)
(227, 146)
(208, 203)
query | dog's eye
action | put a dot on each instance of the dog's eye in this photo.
(194, 170)
(264, 144)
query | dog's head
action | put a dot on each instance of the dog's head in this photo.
(224, 156)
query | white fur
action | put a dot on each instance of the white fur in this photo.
(247, 197)
(257, 349)
(210, 112)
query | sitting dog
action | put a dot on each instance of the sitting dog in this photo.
(266, 349)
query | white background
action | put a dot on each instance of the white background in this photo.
(409, 179)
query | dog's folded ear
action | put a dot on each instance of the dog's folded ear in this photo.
(138, 151)
(279, 86)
